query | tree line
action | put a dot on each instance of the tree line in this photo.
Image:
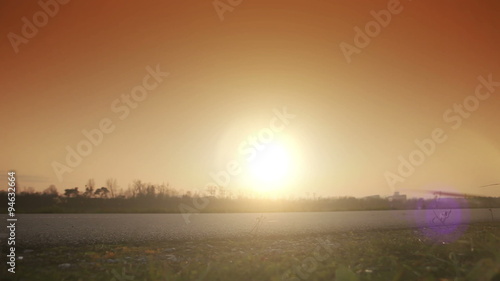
(140, 197)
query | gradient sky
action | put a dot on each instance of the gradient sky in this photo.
(227, 76)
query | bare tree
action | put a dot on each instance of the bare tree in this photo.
(112, 186)
(138, 188)
(89, 188)
(150, 190)
(167, 190)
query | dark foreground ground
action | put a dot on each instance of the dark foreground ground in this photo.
(432, 253)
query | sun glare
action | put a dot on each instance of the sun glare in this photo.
(271, 169)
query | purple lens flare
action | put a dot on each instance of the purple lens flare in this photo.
(444, 219)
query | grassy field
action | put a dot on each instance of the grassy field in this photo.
(467, 253)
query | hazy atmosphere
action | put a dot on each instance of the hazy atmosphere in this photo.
(250, 140)
(280, 98)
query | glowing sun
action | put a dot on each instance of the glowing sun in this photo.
(271, 167)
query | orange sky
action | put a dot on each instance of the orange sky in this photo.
(227, 76)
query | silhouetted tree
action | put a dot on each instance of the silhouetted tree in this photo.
(71, 192)
(112, 186)
(150, 190)
(102, 192)
(138, 188)
(89, 188)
